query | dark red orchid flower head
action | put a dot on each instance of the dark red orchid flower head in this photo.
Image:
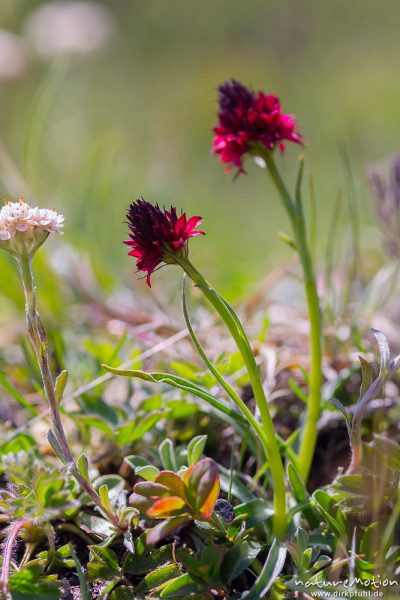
(247, 120)
(157, 235)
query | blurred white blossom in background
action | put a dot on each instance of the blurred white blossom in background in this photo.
(69, 28)
(13, 55)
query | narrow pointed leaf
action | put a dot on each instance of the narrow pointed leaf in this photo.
(269, 573)
(60, 385)
(179, 383)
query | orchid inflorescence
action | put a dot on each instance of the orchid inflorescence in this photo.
(247, 119)
(157, 235)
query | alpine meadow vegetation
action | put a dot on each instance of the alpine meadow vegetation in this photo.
(202, 449)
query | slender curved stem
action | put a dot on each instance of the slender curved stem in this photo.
(295, 212)
(266, 431)
(38, 338)
(234, 396)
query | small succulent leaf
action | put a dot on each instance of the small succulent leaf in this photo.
(144, 559)
(166, 507)
(306, 558)
(167, 455)
(208, 506)
(135, 460)
(269, 573)
(195, 449)
(122, 592)
(255, 511)
(183, 587)
(331, 514)
(302, 538)
(60, 385)
(83, 466)
(148, 472)
(115, 484)
(56, 446)
(140, 502)
(103, 564)
(151, 489)
(155, 578)
(173, 482)
(105, 498)
(237, 560)
(28, 583)
(203, 485)
(164, 529)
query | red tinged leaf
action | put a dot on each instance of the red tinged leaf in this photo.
(202, 486)
(173, 482)
(150, 489)
(164, 529)
(140, 502)
(212, 497)
(166, 507)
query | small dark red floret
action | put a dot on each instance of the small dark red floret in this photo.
(247, 118)
(156, 234)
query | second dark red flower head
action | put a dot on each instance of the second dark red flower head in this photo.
(247, 120)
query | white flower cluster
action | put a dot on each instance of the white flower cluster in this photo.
(19, 216)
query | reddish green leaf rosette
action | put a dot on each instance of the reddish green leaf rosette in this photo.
(178, 498)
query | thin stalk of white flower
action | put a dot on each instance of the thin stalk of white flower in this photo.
(39, 341)
(23, 230)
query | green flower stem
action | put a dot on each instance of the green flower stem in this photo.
(265, 432)
(38, 338)
(295, 212)
(230, 391)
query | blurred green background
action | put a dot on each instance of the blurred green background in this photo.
(89, 129)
